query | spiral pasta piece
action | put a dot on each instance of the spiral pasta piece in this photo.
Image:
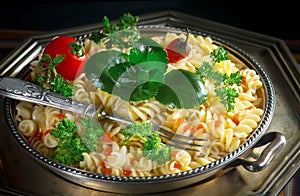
(24, 110)
(249, 121)
(27, 127)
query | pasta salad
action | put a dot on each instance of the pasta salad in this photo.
(203, 92)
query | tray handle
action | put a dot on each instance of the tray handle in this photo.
(262, 153)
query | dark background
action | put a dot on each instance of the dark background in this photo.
(278, 19)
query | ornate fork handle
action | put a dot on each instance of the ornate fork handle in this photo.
(19, 89)
(26, 91)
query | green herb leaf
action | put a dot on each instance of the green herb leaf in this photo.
(48, 78)
(141, 129)
(128, 20)
(227, 96)
(97, 66)
(137, 82)
(77, 48)
(223, 82)
(92, 131)
(71, 144)
(123, 35)
(219, 54)
(133, 77)
(153, 148)
(147, 50)
(182, 89)
(70, 148)
(206, 70)
(234, 78)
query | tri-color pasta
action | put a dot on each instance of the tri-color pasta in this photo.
(225, 131)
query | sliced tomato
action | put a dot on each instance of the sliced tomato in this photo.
(74, 56)
(178, 49)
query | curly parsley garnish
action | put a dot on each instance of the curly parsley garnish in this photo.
(49, 79)
(71, 144)
(219, 54)
(123, 35)
(223, 82)
(153, 148)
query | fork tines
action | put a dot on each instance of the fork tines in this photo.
(179, 141)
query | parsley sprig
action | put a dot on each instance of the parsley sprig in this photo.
(219, 54)
(71, 144)
(223, 82)
(49, 79)
(77, 48)
(153, 148)
(70, 148)
(122, 35)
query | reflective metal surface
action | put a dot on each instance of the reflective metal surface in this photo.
(20, 173)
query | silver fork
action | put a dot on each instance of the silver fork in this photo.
(22, 90)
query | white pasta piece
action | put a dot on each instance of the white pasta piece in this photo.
(183, 157)
(24, 110)
(202, 161)
(39, 117)
(50, 141)
(81, 95)
(143, 164)
(194, 165)
(90, 162)
(242, 104)
(27, 127)
(249, 121)
(116, 171)
(235, 143)
(51, 117)
(246, 96)
(118, 157)
(38, 144)
(206, 44)
(168, 168)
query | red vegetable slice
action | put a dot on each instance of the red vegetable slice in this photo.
(178, 49)
(74, 56)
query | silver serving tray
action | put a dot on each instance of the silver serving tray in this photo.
(23, 175)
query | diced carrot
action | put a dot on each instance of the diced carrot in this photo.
(173, 153)
(218, 123)
(61, 116)
(48, 131)
(243, 80)
(108, 137)
(188, 127)
(38, 134)
(177, 165)
(235, 119)
(200, 126)
(249, 108)
(107, 171)
(132, 159)
(107, 151)
(103, 163)
(178, 122)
